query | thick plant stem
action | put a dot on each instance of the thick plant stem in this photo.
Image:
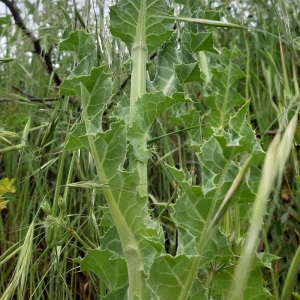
(138, 77)
(129, 244)
(128, 240)
(139, 57)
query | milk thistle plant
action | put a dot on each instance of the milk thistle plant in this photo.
(210, 212)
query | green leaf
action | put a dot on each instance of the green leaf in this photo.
(148, 108)
(98, 92)
(6, 60)
(192, 120)
(120, 293)
(111, 241)
(221, 284)
(165, 79)
(243, 136)
(223, 97)
(192, 10)
(218, 170)
(266, 259)
(140, 236)
(112, 271)
(84, 48)
(168, 276)
(198, 42)
(110, 144)
(195, 206)
(133, 209)
(198, 291)
(189, 73)
(127, 18)
(242, 132)
(80, 43)
(69, 28)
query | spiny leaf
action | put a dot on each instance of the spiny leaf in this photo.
(111, 145)
(105, 266)
(189, 73)
(134, 210)
(224, 96)
(110, 240)
(255, 290)
(190, 119)
(165, 79)
(266, 259)
(242, 132)
(84, 48)
(129, 17)
(218, 170)
(80, 43)
(168, 275)
(148, 108)
(198, 42)
(68, 29)
(97, 87)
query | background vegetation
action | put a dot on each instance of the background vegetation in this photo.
(35, 121)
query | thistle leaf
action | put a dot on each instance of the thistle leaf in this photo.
(141, 15)
(165, 79)
(168, 276)
(189, 73)
(223, 96)
(105, 266)
(84, 48)
(202, 41)
(148, 108)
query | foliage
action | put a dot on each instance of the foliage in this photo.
(158, 186)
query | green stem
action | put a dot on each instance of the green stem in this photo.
(58, 184)
(139, 57)
(291, 278)
(129, 243)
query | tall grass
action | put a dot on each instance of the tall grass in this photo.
(272, 84)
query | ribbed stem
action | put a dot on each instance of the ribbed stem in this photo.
(139, 57)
